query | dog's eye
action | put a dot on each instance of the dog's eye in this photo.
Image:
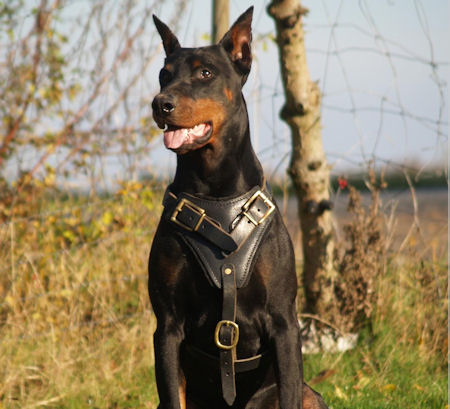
(204, 73)
(165, 76)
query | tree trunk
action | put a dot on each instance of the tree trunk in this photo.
(221, 15)
(308, 168)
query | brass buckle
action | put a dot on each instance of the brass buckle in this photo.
(196, 209)
(217, 333)
(267, 202)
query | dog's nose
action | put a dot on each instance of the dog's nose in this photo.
(163, 104)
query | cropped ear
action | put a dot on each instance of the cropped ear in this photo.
(170, 42)
(237, 40)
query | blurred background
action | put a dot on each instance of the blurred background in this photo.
(83, 168)
(382, 67)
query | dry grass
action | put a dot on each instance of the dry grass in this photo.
(76, 322)
(363, 260)
(76, 325)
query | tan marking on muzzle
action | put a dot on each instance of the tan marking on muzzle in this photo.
(190, 112)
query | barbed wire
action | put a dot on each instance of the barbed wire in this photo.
(386, 107)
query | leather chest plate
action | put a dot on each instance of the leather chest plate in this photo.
(245, 219)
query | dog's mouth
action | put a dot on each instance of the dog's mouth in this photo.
(181, 139)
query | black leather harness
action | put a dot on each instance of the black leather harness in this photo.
(224, 235)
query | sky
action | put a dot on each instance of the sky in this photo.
(383, 68)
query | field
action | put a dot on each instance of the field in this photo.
(76, 325)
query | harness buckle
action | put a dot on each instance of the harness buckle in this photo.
(270, 207)
(191, 206)
(235, 339)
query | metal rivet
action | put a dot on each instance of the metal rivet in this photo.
(227, 271)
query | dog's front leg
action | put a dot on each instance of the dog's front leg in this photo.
(289, 368)
(169, 377)
(165, 282)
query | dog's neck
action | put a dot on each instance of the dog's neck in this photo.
(208, 172)
(224, 169)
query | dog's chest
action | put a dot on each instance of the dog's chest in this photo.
(243, 221)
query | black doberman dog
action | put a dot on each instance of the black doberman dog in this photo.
(222, 278)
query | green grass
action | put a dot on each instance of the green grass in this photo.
(383, 374)
(76, 325)
(402, 363)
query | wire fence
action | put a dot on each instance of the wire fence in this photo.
(371, 122)
(379, 108)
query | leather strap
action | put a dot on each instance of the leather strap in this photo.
(190, 217)
(228, 335)
(213, 362)
(241, 216)
(256, 210)
(193, 218)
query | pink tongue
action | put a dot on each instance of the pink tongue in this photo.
(179, 137)
(174, 139)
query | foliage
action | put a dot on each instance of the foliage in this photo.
(35, 75)
(73, 299)
(77, 326)
(402, 362)
(74, 86)
(362, 262)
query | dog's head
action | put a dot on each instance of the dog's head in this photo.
(201, 87)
